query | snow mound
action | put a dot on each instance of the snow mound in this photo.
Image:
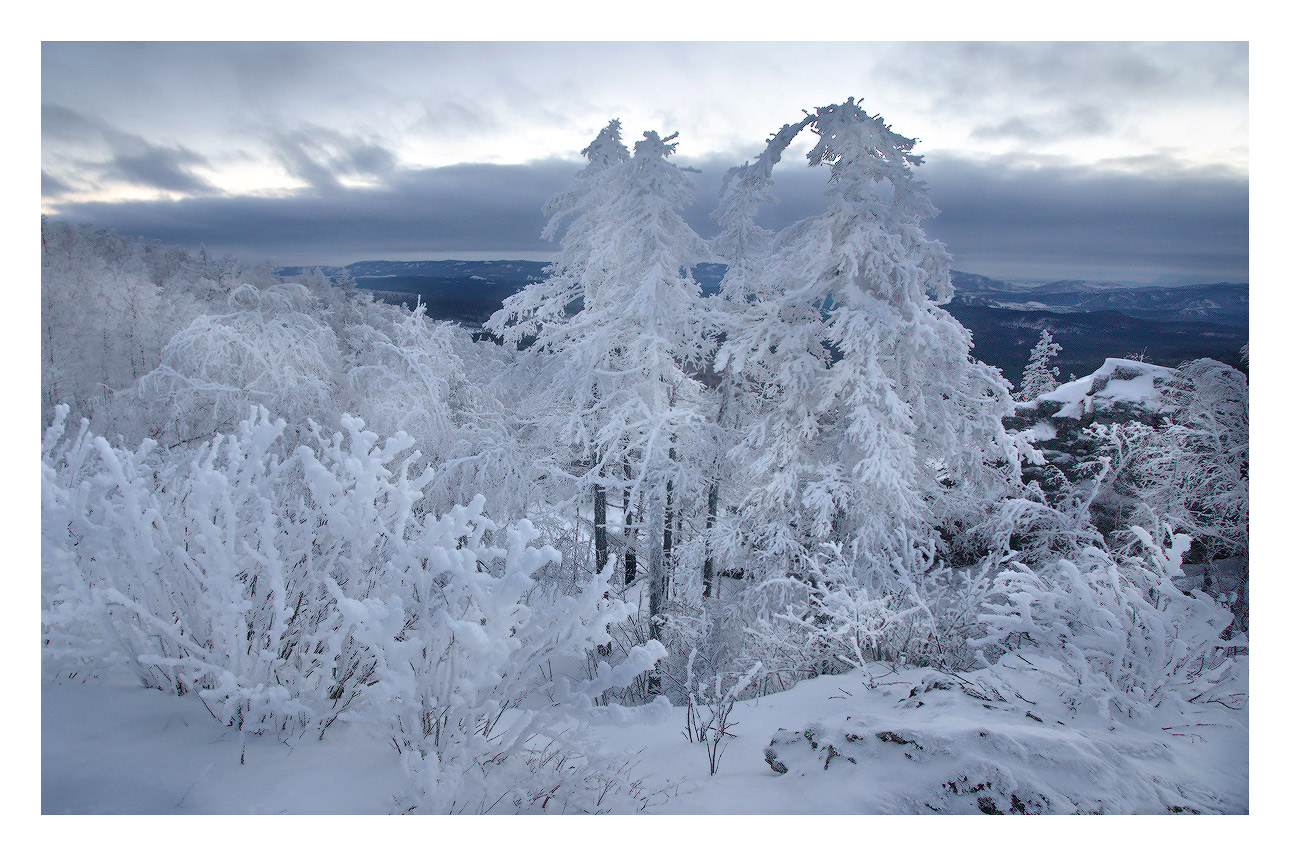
(1117, 384)
(960, 748)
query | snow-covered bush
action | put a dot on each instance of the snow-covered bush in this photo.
(826, 622)
(218, 571)
(1179, 463)
(291, 587)
(480, 678)
(709, 704)
(502, 442)
(1196, 471)
(270, 348)
(1109, 629)
(402, 378)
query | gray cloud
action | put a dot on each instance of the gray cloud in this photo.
(962, 75)
(1083, 120)
(321, 157)
(60, 123)
(51, 187)
(1059, 222)
(160, 168)
(472, 101)
(467, 207)
(1047, 221)
(127, 157)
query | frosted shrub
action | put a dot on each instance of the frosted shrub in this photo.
(291, 588)
(268, 349)
(216, 572)
(1195, 469)
(708, 708)
(402, 377)
(821, 619)
(480, 675)
(1109, 630)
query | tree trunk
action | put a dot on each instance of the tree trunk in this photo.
(669, 515)
(657, 579)
(657, 569)
(601, 539)
(707, 532)
(709, 570)
(629, 531)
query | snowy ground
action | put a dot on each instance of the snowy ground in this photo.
(120, 749)
(112, 748)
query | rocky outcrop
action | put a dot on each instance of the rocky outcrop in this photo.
(1121, 391)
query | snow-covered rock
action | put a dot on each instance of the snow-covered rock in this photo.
(1119, 386)
(1120, 391)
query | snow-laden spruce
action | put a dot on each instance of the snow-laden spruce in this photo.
(871, 430)
(1039, 377)
(622, 365)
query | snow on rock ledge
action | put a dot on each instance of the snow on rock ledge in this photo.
(1118, 392)
(1117, 385)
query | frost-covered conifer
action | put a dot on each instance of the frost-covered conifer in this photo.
(1039, 376)
(621, 366)
(873, 425)
(741, 244)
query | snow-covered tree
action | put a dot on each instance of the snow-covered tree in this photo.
(109, 304)
(103, 320)
(621, 365)
(1039, 376)
(741, 245)
(873, 425)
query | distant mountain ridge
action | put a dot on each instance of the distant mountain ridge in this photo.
(1091, 320)
(1221, 303)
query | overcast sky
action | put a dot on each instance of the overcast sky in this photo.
(1048, 160)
